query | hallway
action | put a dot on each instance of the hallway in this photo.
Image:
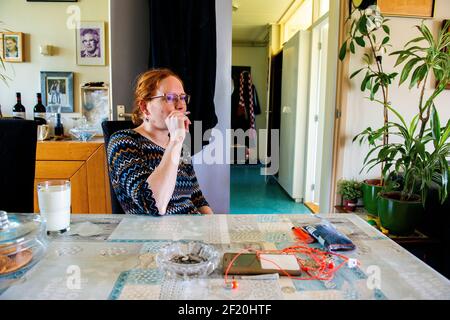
(251, 194)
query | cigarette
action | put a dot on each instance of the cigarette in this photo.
(187, 113)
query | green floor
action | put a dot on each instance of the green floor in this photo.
(252, 193)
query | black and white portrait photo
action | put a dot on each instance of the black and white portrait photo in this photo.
(57, 90)
(90, 41)
(91, 44)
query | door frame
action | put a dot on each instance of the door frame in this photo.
(342, 90)
(331, 152)
(316, 112)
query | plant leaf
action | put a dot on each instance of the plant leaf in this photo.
(407, 69)
(343, 51)
(435, 127)
(418, 75)
(415, 40)
(354, 74)
(360, 41)
(352, 47)
(362, 26)
(413, 126)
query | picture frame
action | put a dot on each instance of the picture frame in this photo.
(411, 8)
(90, 44)
(95, 106)
(57, 91)
(12, 48)
(52, 0)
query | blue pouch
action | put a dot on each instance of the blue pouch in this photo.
(330, 238)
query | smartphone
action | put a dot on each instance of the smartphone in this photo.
(250, 264)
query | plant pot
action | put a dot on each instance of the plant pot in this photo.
(370, 190)
(350, 205)
(399, 217)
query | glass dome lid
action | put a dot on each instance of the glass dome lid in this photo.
(15, 228)
(23, 243)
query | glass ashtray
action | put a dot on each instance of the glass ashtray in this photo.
(83, 133)
(187, 260)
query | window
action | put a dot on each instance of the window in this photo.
(302, 19)
(324, 7)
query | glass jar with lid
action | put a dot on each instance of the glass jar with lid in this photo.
(23, 243)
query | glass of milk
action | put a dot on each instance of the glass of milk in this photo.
(54, 205)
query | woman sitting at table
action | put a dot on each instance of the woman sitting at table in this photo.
(145, 168)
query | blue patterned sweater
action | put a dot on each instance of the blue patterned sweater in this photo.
(132, 158)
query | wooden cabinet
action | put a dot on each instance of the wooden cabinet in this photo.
(84, 165)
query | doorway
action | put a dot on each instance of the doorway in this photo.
(299, 30)
(257, 55)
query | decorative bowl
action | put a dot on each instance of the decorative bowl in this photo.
(85, 133)
(187, 260)
(23, 243)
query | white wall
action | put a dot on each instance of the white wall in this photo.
(215, 179)
(45, 23)
(256, 58)
(362, 113)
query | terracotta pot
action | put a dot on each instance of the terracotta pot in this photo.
(350, 205)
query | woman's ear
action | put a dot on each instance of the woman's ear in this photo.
(143, 107)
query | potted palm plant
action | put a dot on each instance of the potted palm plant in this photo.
(350, 190)
(367, 21)
(419, 160)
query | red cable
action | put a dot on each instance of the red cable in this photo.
(321, 259)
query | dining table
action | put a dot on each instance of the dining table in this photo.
(113, 257)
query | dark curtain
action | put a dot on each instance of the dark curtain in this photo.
(183, 39)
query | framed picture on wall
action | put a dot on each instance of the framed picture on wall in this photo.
(95, 105)
(52, 0)
(410, 8)
(12, 46)
(57, 91)
(91, 44)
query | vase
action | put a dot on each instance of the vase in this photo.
(370, 190)
(399, 217)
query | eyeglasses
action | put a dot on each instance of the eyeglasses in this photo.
(174, 98)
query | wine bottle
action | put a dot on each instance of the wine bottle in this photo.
(19, 109)
(40, 111)
(59, 128)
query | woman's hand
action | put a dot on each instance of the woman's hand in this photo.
(178, 124)
(205, 210)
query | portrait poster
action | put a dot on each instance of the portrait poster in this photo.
(90, 38)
